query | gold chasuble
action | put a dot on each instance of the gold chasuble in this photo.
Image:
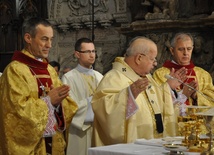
(198, 74)
(24, 115)
(154, 117)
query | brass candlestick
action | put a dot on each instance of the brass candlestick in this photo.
(209, 122)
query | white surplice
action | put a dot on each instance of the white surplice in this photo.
(79, 138)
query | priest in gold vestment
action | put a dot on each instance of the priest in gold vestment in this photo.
(35, 109)
(181, 49)
(128, 104)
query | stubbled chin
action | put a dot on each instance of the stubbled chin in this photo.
(185, 63)
(186, 59)
(92, 61)
(45, 55)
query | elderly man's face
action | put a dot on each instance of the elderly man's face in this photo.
(148, 60)
(182, 52)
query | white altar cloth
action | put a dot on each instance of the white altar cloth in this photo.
(130, 149)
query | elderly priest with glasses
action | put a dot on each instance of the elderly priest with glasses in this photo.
(128, 104)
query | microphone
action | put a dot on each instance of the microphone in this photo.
(167, 76)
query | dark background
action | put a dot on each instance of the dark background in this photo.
(12, 15)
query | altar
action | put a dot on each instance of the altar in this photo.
(132, 149)
(192, 142)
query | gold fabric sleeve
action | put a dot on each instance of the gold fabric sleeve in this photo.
(24, 115)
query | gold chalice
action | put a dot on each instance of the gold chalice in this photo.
(191, 126)
(208, 117)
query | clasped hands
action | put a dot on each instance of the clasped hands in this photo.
(58, 94)
(181, 75)
(189, 92)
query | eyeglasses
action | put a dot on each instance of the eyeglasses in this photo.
(151, 59)
(88, 51)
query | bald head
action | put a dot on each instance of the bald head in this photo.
(140, 45)
(141, 55)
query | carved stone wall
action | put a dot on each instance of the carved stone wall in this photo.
(115, 22)
(161, 19)
(73, 19)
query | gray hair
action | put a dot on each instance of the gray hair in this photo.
(182, 36)
(30, 25)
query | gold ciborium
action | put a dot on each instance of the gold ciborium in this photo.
(208, 117)
(191, 126)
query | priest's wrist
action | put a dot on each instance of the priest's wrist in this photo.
(175, 92)
(56, 107)
(171, 85)
(194, 96)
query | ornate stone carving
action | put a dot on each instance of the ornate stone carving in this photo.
(125, 19)
(5, 12)
(5, 15)
(171, 9)
(77, 14)
(27, 9)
